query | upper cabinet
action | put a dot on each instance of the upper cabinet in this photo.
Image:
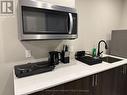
(67, 3)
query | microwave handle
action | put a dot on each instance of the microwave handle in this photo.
(71, 23)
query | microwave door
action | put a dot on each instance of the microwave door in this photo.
(36, 21)
(71, 23)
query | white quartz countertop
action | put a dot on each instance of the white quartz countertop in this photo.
(61, 74)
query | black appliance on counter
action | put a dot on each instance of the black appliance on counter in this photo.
(54, 57)
(38, 67)
(43, 66)
(79, 54)
(33, 68)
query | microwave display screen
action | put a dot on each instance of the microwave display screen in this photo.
(38, 21)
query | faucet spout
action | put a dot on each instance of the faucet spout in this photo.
(106, 47)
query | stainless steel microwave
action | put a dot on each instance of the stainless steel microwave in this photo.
(41, 21)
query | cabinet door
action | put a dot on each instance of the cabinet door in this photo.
(96, 84)
(77, 87)
(125, 80)
(103, 83)
(108, 82)
(119, 81)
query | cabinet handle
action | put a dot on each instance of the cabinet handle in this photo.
(125, 69)
(93, 81)
(96, 80)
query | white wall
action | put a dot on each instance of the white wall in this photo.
(96, 20)
(123, 24)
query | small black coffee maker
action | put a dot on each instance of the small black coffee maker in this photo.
(54, 57)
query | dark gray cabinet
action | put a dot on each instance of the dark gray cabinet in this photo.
(78, 87)
(114, 81)
(103, 83)
(120, 82)
(96, 84)
(107, 82)
(91, 85)
(125, 88)
(110, 82)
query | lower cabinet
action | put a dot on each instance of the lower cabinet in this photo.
(78, 87)
(107, 82)
(96, 87)
(103, 83)
(125, 88)
(120, 82)
(110, 82)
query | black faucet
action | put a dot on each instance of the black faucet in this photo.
(106, 47)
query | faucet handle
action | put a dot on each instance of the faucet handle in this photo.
(100, 53)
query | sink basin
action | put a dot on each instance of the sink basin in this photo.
(110, 59)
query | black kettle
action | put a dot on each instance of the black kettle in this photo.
(54, 57)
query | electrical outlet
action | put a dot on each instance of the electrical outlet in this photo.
(28, 53)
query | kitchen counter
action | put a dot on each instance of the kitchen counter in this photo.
(61, 74)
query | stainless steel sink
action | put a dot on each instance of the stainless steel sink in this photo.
(110, 59)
